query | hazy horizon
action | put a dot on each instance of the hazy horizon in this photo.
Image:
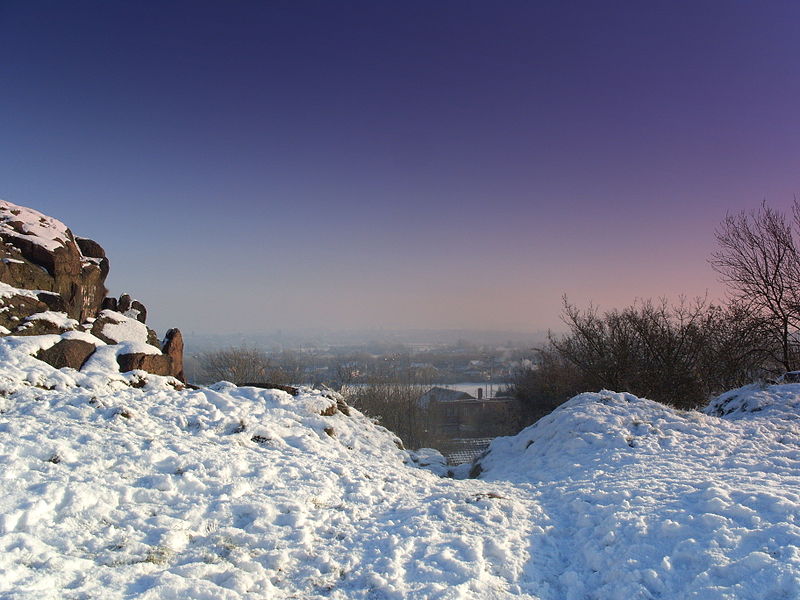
(411, 166)
(282, 339)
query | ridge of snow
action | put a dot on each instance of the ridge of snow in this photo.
(6, 291)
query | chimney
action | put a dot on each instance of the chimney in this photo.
(480, 393)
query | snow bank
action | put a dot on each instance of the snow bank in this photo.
(645, 501)
(121, 486)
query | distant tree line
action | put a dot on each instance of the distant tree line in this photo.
(682, 354)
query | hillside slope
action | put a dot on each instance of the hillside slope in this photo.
(118, 485)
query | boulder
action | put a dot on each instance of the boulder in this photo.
(67, 353)
(128, 307)
(289, 389)
(40, 253)
(157, 364)
(93, 251)
(173, 347)
(90, 248)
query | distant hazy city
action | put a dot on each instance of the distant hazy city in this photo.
(421, 356)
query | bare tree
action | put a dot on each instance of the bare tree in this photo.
(759, 261)
(236, 364)
(395, 403)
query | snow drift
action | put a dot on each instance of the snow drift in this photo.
(118, 485)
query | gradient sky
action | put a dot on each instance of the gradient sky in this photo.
(264, 165)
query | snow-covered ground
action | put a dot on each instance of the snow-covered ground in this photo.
(121, 486)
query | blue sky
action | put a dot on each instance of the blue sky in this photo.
(398, 165)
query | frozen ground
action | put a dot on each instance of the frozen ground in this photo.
(109, 490)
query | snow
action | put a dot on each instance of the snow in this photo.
(32, 226)
(59, 319)
(6, 291)
(127, 332)
(112, 490)
(650, 501)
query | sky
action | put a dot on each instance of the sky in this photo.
(253, 166)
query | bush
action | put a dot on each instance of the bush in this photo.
(677, 354)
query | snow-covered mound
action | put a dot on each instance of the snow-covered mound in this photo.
(644, 501)
(118, 485)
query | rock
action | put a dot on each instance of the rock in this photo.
(173, 347)
(46, 323)
(90, 248)
(157, 364)
(274, 386)
(129, 307)
(40, 253)
(124, 304)
(14, 309)
(139, 309)
(109, 303)
(67, 353)
(53, 301)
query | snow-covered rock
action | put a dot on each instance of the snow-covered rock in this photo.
(41, 253)
(52, 282)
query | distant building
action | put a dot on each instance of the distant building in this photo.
(438, 395)
(455, 419)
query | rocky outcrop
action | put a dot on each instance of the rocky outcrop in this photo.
(40, 253)
(52, 282)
